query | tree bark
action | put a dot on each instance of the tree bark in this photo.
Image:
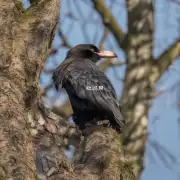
(138, 86)
(25, 40)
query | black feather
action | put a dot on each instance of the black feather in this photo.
(75, 75)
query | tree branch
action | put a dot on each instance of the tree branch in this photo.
(108, 63)
(103, 39)
(104, 156)
(109, 21)
(168, 57)
(64, 39)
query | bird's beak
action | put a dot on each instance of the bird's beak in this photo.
(107, 54)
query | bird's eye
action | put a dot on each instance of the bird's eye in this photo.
(94, 49)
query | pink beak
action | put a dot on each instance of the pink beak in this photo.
(107, 54)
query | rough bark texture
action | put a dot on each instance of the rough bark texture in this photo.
(28, 127)
(141, 76)
(138, 84)
(25, 40)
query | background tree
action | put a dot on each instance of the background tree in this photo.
(26, 39)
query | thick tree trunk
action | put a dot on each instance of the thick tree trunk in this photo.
(25, 37)
(139, 85)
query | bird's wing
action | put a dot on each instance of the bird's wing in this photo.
(91, 84)
(60, 73)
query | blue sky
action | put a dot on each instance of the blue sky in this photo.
(163, 116)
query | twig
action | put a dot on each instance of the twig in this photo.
(109, 21)
(103, 39)
(63, 38)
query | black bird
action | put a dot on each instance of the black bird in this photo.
(91, 94)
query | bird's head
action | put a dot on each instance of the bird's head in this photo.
(89, 51)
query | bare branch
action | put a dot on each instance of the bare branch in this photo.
(64, 39)
(157, 93)
(103, 148)
(103, 157)
(168, 57)
(109, 21)
(165, 155)
(52, 138)
(103, 39)
(107, 63)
